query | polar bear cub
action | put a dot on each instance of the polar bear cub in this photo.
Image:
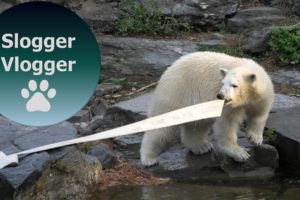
(204, 76)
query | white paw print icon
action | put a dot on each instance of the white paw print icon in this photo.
(38, 100)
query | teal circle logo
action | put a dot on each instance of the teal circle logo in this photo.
(49, 63)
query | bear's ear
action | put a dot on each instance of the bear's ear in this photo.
(251, 78)
(223, 72)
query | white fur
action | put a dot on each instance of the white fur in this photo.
(199, 77)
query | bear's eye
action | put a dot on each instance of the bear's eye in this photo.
(233, 85)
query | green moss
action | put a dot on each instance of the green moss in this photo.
(285, 44)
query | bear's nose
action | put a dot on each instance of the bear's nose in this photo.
(220, 96)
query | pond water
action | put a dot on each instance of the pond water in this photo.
(182, 191)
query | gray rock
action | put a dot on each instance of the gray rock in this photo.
(283, 101)
(104, 154)
(26, 172)
(252, 18)
(290, 77)
(98, 107)
(179, 164)
(257, 41)
(203, 14)
(47, 135)
(285, 122)
(106, 88)
(296, 7)
(212, 44)
(4, 6)
(70, 177)
(141, 58)
(80, 116)
(86, 128)
(102, 15)
(137, 105)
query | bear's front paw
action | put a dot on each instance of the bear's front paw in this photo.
(148, 162)
(255, 138)
(201, 148)
(238, 153)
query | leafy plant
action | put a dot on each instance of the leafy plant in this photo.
(144, 22)
(270, 134)
(286, 45)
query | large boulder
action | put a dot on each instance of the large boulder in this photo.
(69, 177)
(254, 18)
(143, 58)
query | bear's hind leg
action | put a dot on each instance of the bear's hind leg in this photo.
(194, 136)
(154, 143)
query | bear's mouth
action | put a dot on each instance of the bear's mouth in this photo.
(227, 101)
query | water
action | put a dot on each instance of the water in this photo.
(181, 191)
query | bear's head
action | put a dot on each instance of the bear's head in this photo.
(238, 86)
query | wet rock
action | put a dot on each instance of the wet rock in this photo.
(104, 154)
(251, 18)
(290, 77)
(203, 14)
(285, 122)
(70, 177)
(141, 58)
(80, 116)
(179, 164)
(106, 88)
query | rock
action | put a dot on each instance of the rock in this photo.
(15, 137)
(106, 88)
(26, 172)
(68, 178)
(141, 58)
(251, 18)
(285, 122)
(101, 15)
(80, 116)
(212, 44)
(4, 6)
(86, 128)
(296, 7)
(47, 135)
(283, 101)
(179, 164)
(104, 154)
(137, 105)
(257, 41)
(202, 14)
(98, 107)
(290, 77)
